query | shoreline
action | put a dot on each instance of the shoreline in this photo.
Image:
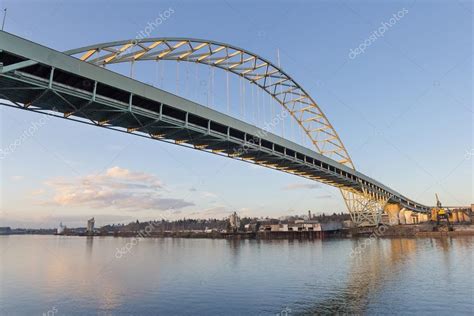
(417, 231)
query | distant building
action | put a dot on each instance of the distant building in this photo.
(331, 226)
(292, 227)
(90, 225)
(209, 230)
(251, 227)
(234, 222)
(61, 228)
(302, 225)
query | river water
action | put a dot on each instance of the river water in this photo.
(55, 275)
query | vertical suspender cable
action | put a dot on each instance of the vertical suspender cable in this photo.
(4, 18)
(177, 78)
(162, 70)
(209, 86)
(270, 104)
(252, 111)
(243, 90)
(240, 96)
(302, 136)
(254, 104)
(186, 79)
(292, 128)
(257, 96)
(262, 105)
(212, 87)
(156, 74)
(259, 115)
(227, 88)
(197, 85)
(283, 119)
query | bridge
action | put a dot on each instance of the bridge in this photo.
(76, 85)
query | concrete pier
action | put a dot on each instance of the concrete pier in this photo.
(393, 212)
(422, 218)
(401, 217)
(463, 217)
(408, 218)
(453, 217)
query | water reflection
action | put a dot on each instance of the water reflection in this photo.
(89, 245)
(200, 276)
(368, 272)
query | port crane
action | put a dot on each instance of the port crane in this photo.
(442, 216)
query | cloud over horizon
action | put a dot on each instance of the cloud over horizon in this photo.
(115, 188)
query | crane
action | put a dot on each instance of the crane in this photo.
(438, 202)
(442, 214)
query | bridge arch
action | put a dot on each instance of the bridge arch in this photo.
(252, 67)
(257, 70)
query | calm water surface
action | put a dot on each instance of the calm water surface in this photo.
(79, 276)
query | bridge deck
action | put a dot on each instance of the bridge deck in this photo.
(37, 78)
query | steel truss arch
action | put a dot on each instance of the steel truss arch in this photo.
(364, 208)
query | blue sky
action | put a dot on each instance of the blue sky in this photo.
(403, 109)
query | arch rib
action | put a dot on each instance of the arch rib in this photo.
(257, 70)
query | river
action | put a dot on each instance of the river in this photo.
(58, 275)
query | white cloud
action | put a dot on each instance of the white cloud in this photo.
(115, 188)
(298, 186)
(17, 178)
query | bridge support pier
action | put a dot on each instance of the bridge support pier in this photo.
(422, 218)
(454, 217)
(401, 217)
(467, 217)
(393, 212)
(407, 216)
(460, 216)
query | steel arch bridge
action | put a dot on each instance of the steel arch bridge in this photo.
(75, 87)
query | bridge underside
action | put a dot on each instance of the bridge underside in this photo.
(167, 124)
(39, 79)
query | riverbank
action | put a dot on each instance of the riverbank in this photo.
(418, 230)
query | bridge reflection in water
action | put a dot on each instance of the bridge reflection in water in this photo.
(384, 262)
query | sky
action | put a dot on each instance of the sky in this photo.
(401, 103)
